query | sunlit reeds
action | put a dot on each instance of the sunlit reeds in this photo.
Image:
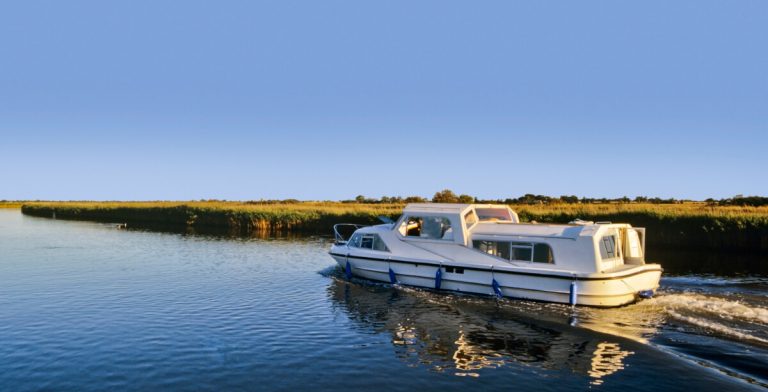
(690, 224)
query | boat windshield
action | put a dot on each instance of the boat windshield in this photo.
(427, 227)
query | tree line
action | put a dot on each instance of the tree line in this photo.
(448, 196)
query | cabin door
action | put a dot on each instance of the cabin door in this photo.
(633, 246)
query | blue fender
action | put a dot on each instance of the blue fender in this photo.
(392, 277)
(348, 270)
(573, 297)
(438, 278)
(645, 294)
(497, 289)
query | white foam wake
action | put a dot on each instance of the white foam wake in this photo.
(714, 314)
(717, 327)
(723, 308)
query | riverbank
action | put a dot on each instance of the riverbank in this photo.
(235, 217)
(687, 225)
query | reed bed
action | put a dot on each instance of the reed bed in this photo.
(684, 225)
(235, 216)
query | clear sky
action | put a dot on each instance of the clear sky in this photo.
(330, 99)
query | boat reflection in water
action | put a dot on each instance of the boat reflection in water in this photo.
(466, 334)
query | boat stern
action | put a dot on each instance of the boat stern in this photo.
(619, 288)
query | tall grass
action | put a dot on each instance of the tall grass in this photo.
(672, 225)
(243, 217)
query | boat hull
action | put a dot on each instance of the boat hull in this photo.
(608, 291)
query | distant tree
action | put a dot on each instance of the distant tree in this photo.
(390, 200)
(445, 196)
(360, 199)
(740, 200)
(414, 199)
(569, 199)
(657, 200)
(466, 199)
(624, 200)
(641, 199)
(528, 198)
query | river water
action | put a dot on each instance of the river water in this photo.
(85, 306)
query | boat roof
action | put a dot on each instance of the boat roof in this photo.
(447, 207)
(532, 230)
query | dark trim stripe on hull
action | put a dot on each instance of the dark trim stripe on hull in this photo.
(495, 271)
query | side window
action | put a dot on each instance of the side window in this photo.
(427, 227)
(535, 252)
(470, 218)
(522, 251)
(498, 249)
(354, 241)
(542, 253)
(368, 241)
(608, 247)
(378, 244)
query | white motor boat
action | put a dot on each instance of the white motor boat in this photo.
(484, 249)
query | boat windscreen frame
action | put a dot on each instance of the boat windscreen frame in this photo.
(456, 225)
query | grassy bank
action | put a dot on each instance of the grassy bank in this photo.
(238, 217)
(689, 225)
(11, 204)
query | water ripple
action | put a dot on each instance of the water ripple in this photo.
(86, 307)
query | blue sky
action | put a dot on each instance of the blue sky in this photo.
(245, 100)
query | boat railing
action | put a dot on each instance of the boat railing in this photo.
(339, 228)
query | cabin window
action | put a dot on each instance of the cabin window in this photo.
(494, 248)
(354, 241)
(608, 247)
(379, 245)
(470, 219)
(493, 214)
(522, 251)
(532, 252)
(427, 227)
(368, 241)
(542, 253)
(517, 251)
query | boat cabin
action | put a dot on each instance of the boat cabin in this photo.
(449, 222)
(496, 230)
